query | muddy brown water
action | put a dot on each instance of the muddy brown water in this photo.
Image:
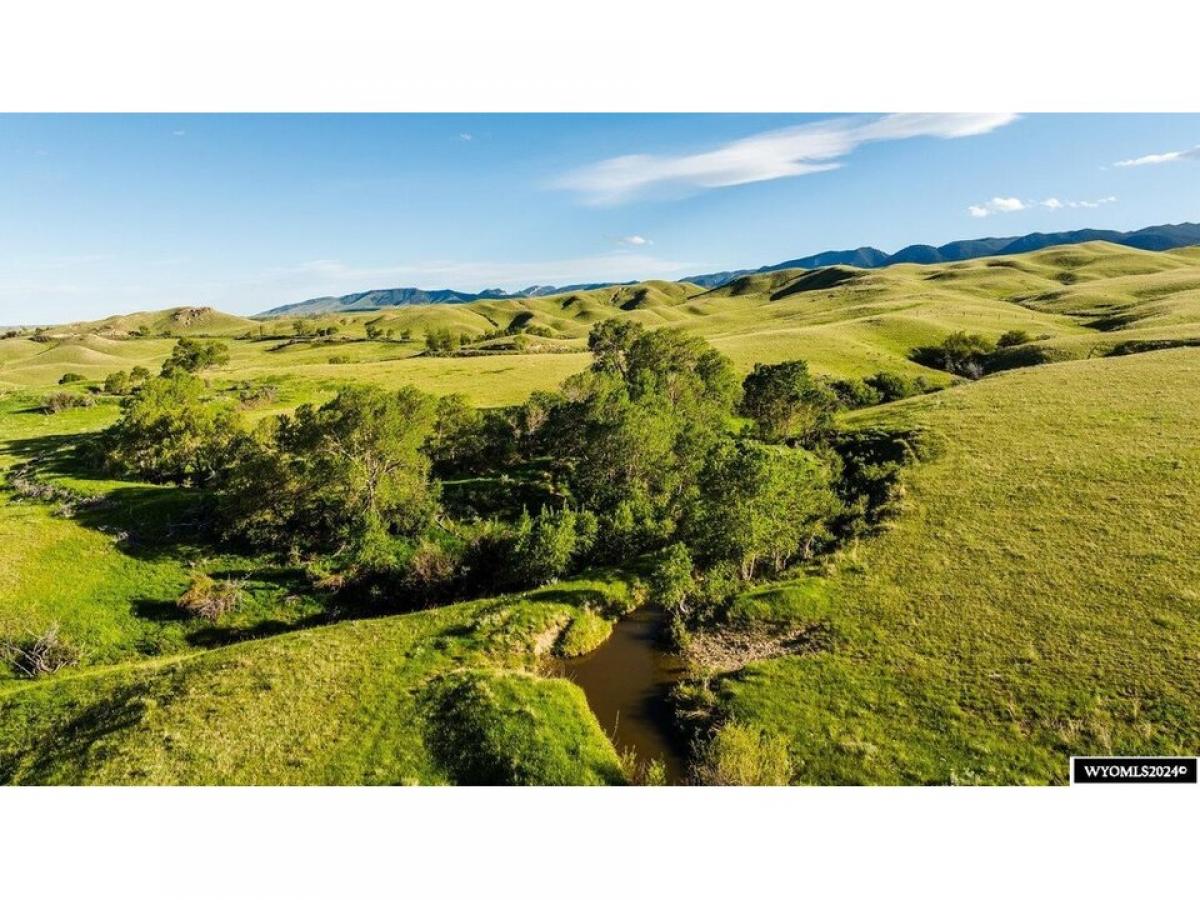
(626, 681)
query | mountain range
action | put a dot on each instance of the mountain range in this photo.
(1155, 237)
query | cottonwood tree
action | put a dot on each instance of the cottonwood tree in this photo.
(786, 402)
(761, 503)
(189, 355)
(634, 430)
(335, 477)
(171, 430)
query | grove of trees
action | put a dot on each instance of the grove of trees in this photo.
(647, 454)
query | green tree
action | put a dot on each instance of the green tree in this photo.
(457, 440)
(71, 378)
(545, 547)
(190, 355)
(673, 581)
(335, 477)
(172, 431)
(117, 383)
(761, 502)
(633, 431)
(786, 402)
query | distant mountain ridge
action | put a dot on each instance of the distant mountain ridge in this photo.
(1155, 237)
(411, 296)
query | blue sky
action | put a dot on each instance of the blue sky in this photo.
(105, 214)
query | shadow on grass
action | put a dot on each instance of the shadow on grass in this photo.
(78, 742)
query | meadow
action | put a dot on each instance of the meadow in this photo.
(1036, 594)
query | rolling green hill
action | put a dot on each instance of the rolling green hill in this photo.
(1038, 596)
(1079, 301)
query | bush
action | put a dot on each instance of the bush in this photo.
(891, 386)
(117, 383)
(339, 359)
(207, 598)
(854, 393)
(39, 654)
(959, 354)
(1014, 338)
(71, 378)
(55, 403)
(739, 755)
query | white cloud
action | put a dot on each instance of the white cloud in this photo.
(466, 136)
(783, 153)
(996, 205)
(634, 240)
(179, 132)
(1154, 159)
(1015, 204)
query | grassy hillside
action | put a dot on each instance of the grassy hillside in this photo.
(1039, 597)
(423, 698)
(1079, 301)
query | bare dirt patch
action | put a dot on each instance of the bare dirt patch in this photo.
(729, 649)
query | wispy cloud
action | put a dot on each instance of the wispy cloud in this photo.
(634, 240)
(466, 136)
(783, 153)
(1016, 204)
(996, 205)
(179, 132)
(1154, 159)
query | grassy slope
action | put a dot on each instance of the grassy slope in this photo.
(844, 321)
(353, 703)
(989, 602)
(108, 576)
(1040, 596)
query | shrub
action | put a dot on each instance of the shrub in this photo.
(891, 386)
(57, 402)
(207, 598)
(71, 378)
(1014, 338)
(431, 569)
(339, 359)
(960, 354)
(854, 393)
(39, 654)
(117, 383)
(740, 755)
